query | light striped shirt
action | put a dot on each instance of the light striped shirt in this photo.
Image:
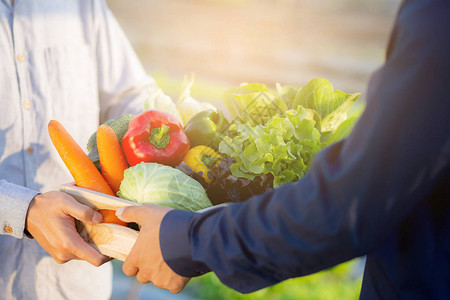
(66, 60)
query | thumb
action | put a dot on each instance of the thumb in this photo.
(131, 214)
(142, 213)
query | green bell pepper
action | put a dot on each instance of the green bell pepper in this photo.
(206, 128)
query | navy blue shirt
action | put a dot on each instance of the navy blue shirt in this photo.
(383, 192)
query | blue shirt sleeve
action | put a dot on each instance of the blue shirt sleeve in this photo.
(357, 191)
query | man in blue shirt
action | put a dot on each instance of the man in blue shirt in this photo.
(384, 192)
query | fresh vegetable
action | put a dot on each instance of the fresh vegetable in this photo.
(198, 176)
(206, 128)
(283, 143)
(284, 147)
(159, 101)
(224, 186)
(109, 216)
(201, 159)
(287, 93)
(318, 94)
(188, 106)
(266, 146)
(119, 126)
(155, 136)
(163, 185)
(80, 166)
(112, 160)
(253, 104)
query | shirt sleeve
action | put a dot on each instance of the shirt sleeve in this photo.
(123, 84)
(14, 201)
(357, 191)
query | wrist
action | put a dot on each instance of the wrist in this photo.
(25, 231)
(175, 244)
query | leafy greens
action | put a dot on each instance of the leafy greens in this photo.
(278, 133)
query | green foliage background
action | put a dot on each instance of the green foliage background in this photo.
(339, 282)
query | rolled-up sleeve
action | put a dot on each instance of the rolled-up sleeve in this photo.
(14, 201)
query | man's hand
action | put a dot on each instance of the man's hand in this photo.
(51, 221)
(145, 259)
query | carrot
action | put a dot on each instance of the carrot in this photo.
(109, 216)
(80, 166)
(112, 160)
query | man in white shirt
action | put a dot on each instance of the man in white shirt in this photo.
(66, 60)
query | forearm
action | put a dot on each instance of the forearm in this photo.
(14, 202)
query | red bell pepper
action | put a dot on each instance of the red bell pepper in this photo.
(155, 136)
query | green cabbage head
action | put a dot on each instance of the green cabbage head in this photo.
(152, 183)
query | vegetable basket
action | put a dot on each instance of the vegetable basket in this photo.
(270, 141)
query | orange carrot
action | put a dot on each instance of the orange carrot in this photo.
(109, 216)
(80, 166)
(112, 160)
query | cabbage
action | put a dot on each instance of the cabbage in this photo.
(152, 183)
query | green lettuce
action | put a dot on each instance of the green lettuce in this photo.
(279, 132)
(287, 93)
(253, 104)
(154, 183)
(284, 147)
(319, 95)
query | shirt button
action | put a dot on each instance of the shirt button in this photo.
(20, 57)
(30, 150)
(27, 104)
(8, 229)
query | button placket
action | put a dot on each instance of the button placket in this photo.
(27, 118)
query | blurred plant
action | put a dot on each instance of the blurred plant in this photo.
(338, 282)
